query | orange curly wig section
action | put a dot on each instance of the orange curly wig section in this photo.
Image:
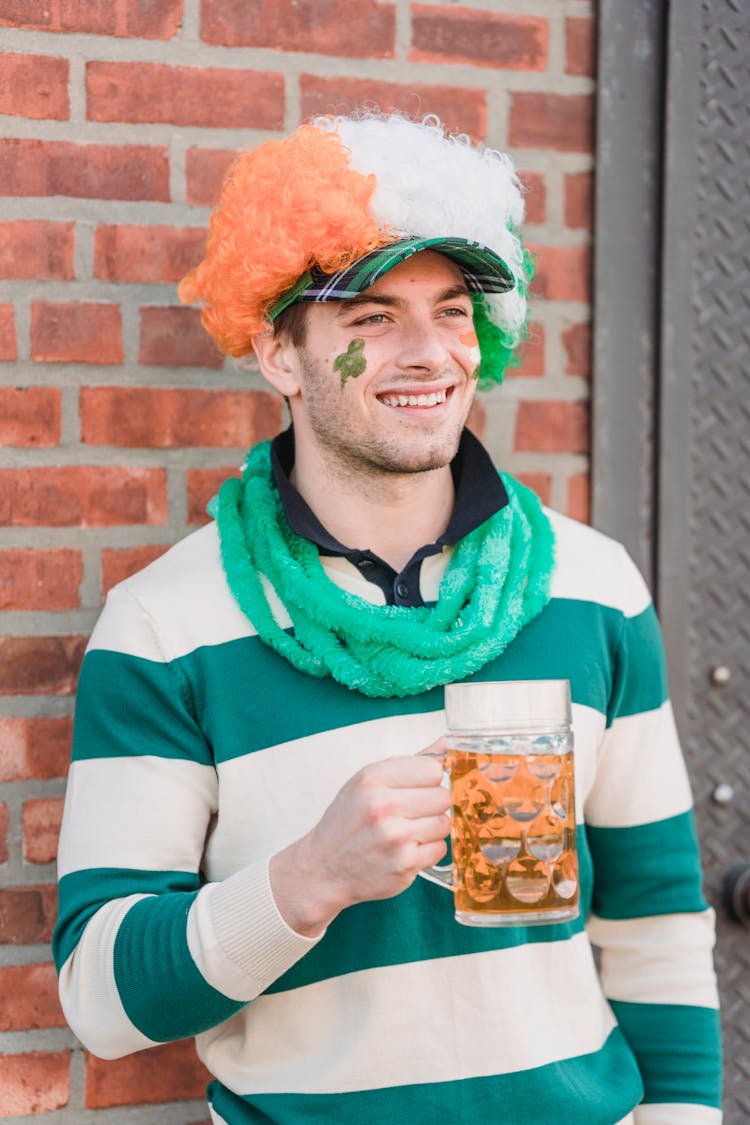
(284, 207)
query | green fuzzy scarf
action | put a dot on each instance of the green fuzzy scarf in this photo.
(497, 580)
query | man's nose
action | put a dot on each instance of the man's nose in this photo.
(422, 346)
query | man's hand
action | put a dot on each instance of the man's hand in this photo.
(387, 823)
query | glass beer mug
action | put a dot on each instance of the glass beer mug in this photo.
(509, 761)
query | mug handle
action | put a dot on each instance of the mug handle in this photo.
(442, 876)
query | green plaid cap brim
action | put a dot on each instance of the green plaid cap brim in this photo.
(483, 270)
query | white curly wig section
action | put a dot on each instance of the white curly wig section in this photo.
(432, 185)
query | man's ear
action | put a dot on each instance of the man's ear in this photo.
(277, 359)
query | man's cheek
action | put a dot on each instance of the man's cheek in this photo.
(471, 343)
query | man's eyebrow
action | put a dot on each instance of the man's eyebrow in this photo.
(350, 303)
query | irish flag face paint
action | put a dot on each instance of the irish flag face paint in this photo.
(470, 341)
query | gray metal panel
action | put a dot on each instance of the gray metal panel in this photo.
(626, 271)
(704, 541)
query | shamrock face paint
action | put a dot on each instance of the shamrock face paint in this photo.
(352, 362)
(470, 341)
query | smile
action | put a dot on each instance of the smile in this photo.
(433, 399)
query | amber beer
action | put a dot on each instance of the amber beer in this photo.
(509, 763)
(513, 835)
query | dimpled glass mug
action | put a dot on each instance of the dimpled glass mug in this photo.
(509, 761)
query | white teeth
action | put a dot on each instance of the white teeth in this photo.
(432, 399)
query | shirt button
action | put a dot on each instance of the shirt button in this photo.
(402, 589)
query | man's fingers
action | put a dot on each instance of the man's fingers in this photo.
(411, 771)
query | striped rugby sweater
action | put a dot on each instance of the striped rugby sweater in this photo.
(199, 753)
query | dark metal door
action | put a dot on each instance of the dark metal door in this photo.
(710, 633)
(680, 380)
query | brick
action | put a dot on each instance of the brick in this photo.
(535, 188)
(477, 419)
(579, 200)
(540, 483)
(118, 563)
(82, 496)
(147, 254)
(4, 825)
(167, 418)
(562, 122)
(464, 35)
(202, 484)
(33, 167)
(40, 665)
(76, 332)
(577, 343)
(40, 579)
(580, 46)
(552, 427)
(8, 347)
(531, 354)
(29, 997)
(175, 337)
(34, 86)
(34, 1083)
(182, 95)
(141, 18)
(27, 916)
(37, 250)
(37, 749)
(171, 1072)
(563, 273)
(41, 828)
(205, 169)
(461, 110)
(348, 28)
(30, 416)
(578, 498)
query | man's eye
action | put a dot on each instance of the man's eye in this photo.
(455, 311)
(372, 318)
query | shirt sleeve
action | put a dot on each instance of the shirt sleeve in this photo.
(649, 918)
(146, 950)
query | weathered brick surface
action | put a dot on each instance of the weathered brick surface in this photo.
(535, 188)
(463, 111)
(34, 86)
(181, 95)
(29, 997)
(579, 200)
(465, 35)
(34, 749)
(82, 496)
(202, 484)
(353, 28)
(204, 171)
(32, 1083)
(141, 18)
(8, 347)
(145, 253)
(578, 498)
(76, 332)
(40, 579)
(577, 343)
(174, 337)
(552, 427)
(94, 171)
(118, 563)
(40, 665)
(541, 483)
(563, 273)
(4, 853)
(30, 416)
(168, 1073)
(561, 122)
(580, 45)
(27, 915)
(41, 828)
(143, 416)
(531, 353)
(35, 249)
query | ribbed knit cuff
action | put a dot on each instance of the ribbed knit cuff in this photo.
(237, 936)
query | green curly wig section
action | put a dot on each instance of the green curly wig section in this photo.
(499, 349)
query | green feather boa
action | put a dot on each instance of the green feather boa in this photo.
(497, 580)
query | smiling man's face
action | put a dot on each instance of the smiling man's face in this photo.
(385, 381)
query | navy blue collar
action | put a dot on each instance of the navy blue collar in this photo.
(480, 493)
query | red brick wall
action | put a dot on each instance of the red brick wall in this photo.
(117, 416)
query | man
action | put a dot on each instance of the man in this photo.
(248, 807)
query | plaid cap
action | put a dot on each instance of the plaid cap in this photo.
(483, 270)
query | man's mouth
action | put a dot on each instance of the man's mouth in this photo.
(434, 398)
